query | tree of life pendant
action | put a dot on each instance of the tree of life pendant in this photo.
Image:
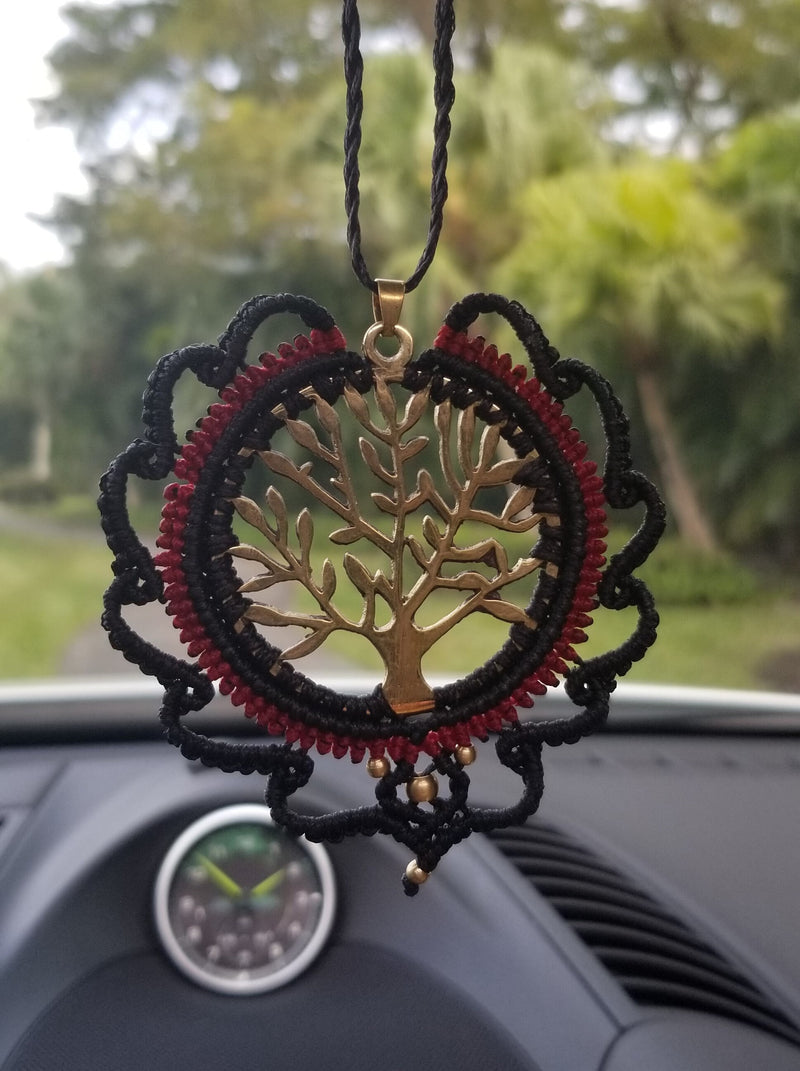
(386, 502)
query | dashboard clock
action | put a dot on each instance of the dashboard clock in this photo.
(240, 906)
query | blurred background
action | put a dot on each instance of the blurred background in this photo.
(629, 170)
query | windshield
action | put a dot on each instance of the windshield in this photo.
(630, 172)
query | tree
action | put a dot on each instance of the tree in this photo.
(651, 276)
(426, 550)
(39, 358)
(686, 70)
(757, 174)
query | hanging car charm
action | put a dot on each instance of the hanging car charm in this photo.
(387, 498)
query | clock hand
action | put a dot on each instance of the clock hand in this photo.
(223, 881)
(268, 884)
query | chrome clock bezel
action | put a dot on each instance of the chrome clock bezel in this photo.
(238, 985)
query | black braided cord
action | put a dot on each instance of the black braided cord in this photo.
(443, 96)
(429, 831)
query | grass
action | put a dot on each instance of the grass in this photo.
(52, 584)
(719, 625)
(716, 646)
(52, 587)
(723, 646)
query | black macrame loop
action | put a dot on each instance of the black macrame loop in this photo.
(443, 96)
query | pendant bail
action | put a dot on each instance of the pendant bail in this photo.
(387, 304)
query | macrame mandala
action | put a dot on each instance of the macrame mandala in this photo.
(425, 475)
(556, 494)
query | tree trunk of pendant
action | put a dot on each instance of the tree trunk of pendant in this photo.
(693, 525)
(404, 687)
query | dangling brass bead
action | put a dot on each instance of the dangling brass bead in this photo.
(415, 874)
(377, 767)
(423, 789)
(465, 754)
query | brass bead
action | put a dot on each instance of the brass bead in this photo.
(465, 754)
(423, 789)
(415, 874)
(377, 767)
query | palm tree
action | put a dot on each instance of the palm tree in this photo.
(635, 267)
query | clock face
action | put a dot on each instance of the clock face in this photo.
(240, 906)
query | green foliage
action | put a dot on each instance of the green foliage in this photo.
(652, 277)
(40, 342)
(701, 66)
(756, 474)
(678, 576)
(758, 174)
(645, 259)
(15, 421)
(144, 61)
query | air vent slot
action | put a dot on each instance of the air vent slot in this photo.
(656, 958)
(6, 826)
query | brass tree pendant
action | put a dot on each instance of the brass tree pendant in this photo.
(387, 501)
(421, 543)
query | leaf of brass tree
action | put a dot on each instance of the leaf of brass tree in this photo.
(505, 611)
(326, 415)
(345, 536)
(358, 573)
(269, 615)
(250, 512)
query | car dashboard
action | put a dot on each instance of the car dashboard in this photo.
(646, 917)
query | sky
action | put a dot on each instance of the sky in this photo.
(37, 163)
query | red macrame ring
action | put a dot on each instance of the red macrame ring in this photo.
(182, 519)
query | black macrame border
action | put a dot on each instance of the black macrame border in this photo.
(428, 832)
(624, 488)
